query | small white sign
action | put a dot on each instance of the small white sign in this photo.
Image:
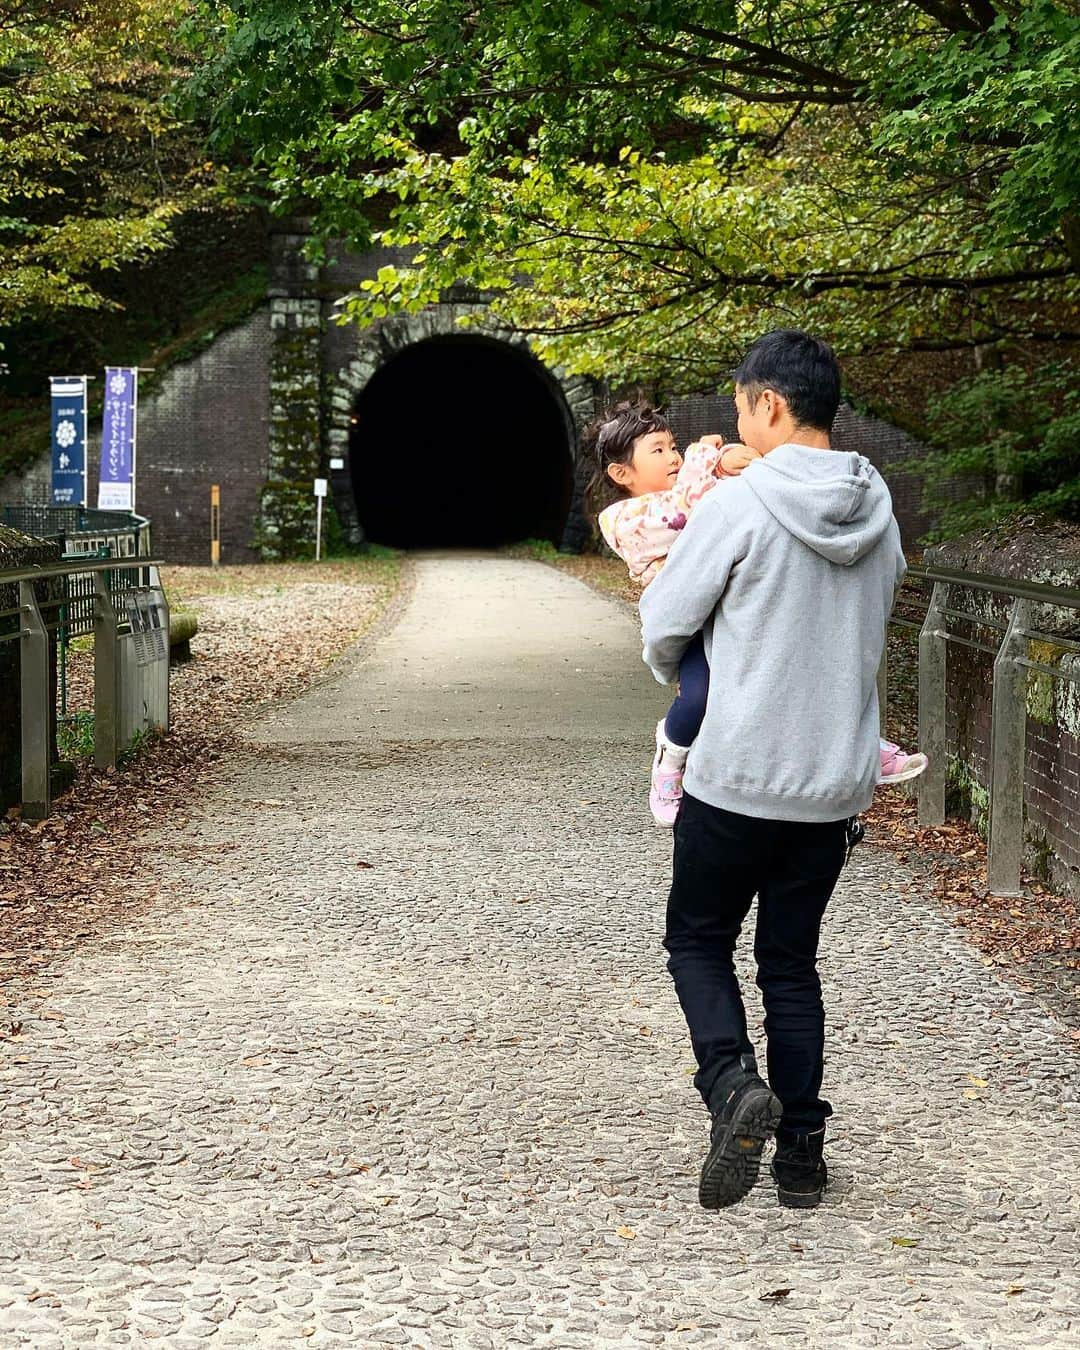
(320, 487)
(337, 464)
(114, 497)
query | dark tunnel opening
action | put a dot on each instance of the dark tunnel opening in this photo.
(460, 442)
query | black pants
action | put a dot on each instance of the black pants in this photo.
(721, 861)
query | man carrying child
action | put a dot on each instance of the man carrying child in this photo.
(789, 574)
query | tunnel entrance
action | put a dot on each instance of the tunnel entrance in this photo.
(462, 442)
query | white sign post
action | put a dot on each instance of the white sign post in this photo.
(320, 493)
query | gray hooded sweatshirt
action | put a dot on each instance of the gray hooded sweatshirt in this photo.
(789, 571)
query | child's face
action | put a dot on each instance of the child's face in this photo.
(653, 466)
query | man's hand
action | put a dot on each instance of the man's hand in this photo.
(736, 457)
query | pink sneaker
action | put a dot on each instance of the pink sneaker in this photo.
(665, 796)
(897, 767)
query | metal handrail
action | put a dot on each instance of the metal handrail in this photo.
(1039, 592)
(60, 569)
(63, 571)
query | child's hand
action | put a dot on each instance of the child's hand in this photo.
(711, 440)
(736, 457)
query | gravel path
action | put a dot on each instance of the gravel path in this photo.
(395, 1060)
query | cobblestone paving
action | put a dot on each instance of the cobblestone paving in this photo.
(395, 1060)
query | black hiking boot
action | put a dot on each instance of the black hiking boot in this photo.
(798, 1169)
(745, 1113)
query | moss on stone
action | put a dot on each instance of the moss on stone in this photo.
(965, 795)
(285, 527)
(286, 522)
(1041, 689)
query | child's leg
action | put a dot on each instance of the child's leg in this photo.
(675, 733)
(684, 718)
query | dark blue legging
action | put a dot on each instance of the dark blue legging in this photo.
(687, 713)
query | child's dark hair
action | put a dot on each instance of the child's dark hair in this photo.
(609, 439)
(801, 368)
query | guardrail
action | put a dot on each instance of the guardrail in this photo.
(128, 614)
(1012, 661)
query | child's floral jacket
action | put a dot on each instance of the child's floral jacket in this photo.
(641, 530)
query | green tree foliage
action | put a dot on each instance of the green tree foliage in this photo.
(1012, 443)
(672, 176)
(92, 169)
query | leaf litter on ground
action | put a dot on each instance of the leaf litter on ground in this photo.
(266, 633)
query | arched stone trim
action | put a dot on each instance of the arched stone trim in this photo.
(384, 340)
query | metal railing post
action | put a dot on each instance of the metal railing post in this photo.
(165, 612)
(1008, 741)
(106, 677)
(35, 695)
(932, 648)
(883, 688)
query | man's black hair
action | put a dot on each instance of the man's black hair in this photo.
(801, 368)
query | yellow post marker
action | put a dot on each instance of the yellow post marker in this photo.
(215, 526)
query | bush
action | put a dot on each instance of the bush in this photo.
(1003, 442)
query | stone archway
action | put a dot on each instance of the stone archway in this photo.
(379, 345)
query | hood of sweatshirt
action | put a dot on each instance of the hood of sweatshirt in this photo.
(835, 501)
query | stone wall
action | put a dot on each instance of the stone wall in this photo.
(205, 423)
(1052, 758)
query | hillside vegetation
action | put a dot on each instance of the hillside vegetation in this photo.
(672, 178)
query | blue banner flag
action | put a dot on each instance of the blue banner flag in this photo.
(68, 396)
(116, 486)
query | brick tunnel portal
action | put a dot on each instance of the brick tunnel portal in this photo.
(461, 442)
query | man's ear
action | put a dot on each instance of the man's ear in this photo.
(776, 407)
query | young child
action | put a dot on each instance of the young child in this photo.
(655, 488)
